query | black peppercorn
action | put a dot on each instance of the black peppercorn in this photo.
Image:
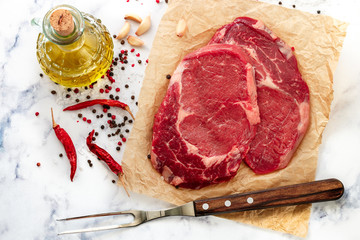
(53, 92)
(168, 76)
(130, 121)
(67, 96)
(118, 148)
(132, 97)
(127, 130)
(94, 110)
(88, 97)
(77, 100)
(125, 61)
(60, 155)
(149, 156)
(122, 42)
(139, 61)
(102, 127)
(126, 86)
(122, 68)
(69, 89)
(41, 75)
(80, 115)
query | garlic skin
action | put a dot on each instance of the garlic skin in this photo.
(134, 41)
(144, 26)
(133, 17)
(124, 31)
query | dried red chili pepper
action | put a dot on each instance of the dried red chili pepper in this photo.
(69, 147)
(109, 102)
(106, 157)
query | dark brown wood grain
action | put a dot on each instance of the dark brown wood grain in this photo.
(317, 191)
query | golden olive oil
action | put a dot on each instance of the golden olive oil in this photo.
(77, 60)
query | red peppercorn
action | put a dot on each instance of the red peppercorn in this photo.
(132, 50)
(123, 139)
(91, 86)
(37, 114)
(76, 90)
(147, 60)
(105, 110)
(157, 1)
(122, 51)
(292, 49)
(102, 76)
(133, 65)
(107, 90)
(117, 89)
(38, 164)
(84, 119)
(119, 143)
(101, 90)
(138, 54)
(89, 121)
(113, 116)
(110, 87)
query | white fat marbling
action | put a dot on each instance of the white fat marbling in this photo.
(32, 197)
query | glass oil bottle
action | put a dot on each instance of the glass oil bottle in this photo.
(74, 49)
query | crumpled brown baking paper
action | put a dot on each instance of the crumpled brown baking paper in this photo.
(317, 40)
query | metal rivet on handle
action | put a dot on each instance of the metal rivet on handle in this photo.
(250, 200)
(205, 206)
(227, 203)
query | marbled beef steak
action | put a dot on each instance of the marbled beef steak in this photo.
(207, 120)
(283, 96)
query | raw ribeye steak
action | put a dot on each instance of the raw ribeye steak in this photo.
(283, 96)
(205, 124)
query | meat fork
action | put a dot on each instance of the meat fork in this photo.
(317, 191)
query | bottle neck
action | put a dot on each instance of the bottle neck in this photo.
(68, 42)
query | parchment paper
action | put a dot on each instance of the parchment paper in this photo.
(317, 40)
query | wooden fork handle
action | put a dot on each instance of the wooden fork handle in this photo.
(317, 191)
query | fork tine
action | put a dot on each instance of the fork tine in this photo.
(93, 229)
(97, 215)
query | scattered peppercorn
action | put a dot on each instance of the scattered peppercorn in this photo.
(41, 75)
(136, 103)
(149, 156)
(280, 3)
(318, 11)
(123, 139)
(80, 115)
(122, 68)
(77, 100)
(53, 92)
(88, 97)
(67, 96)
(118, 148)
(126, 86)
(293, 6)
(96, 133)
(37, 114)
(102, 126)
(130, 121)
(114, 36)
(122, 42)
(168, 76)
(86, 88)
(117, 98)
(94, 110)
(60, 155)
(115, 63)
(166, 1)
(139, 61)
(125, 118)
(127, 130)
(88, 121)
(121, 136)
(113, 181)
(125, 61)
(109, 135)
(132, 97)
(69, 89)
(76, 90)
(38, 164)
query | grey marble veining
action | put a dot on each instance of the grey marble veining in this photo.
(33, 197)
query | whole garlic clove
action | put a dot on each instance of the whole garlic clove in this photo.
(181, 28)
(135, 41)
(134, 17)
(124, 30)
(144, 26)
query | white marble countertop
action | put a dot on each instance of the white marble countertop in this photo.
(32, 197)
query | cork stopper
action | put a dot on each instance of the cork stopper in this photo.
(62, 22)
